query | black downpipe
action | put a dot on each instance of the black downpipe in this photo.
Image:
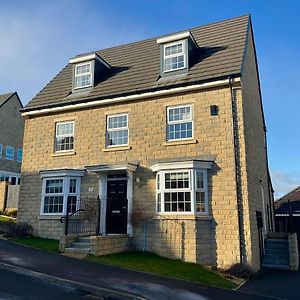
(237, 171)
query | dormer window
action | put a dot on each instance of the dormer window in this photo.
(177, 52)
(174, 56)
(83, 75)
(88, 71)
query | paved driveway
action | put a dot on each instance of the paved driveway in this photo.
(280, 284)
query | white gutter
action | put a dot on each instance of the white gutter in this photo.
(130, 98)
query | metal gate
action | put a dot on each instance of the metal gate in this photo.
(83, 216)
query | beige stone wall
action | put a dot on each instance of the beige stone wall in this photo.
(11, 132)
(252, 154)
(213, 136)
(102, 245)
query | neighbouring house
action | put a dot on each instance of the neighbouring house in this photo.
(287, 212)
(161, 142)
(11, 144)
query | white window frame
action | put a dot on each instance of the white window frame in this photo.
(83, 74)
(117, 129)
(1, 150)
(64, 135)
(180, 122)
(20, 150)
(204, 190)
(65, 193)
(13, 152)
(192, 189)
(165, 57)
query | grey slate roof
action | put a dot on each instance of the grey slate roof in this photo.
(136, 66)
(4, 98)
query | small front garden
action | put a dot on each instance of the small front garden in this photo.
(21, 233)
(152, 263)
(38, 243)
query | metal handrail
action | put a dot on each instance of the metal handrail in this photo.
(61, 220)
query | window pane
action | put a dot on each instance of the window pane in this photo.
(64, 143)
(158, 202)
(174, 63)
(19, 155)
(118, 137)
(177, 180)
(72, 187)
(65, 128)
(53, 204)
(178, 202)
(200, 202)
(200, 180)
(83, 80)
(54, 186)
(72, 202)
(81, 69)
(117, 122)
(9, 153)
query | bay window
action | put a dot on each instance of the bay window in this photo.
(182, 187)
(60, 191)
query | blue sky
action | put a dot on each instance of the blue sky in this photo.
(37, 38)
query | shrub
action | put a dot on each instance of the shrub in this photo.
(12, 229)
(11, 213)
(239, 270)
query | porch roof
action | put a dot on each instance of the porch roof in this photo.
(182, 163)
(103, 168)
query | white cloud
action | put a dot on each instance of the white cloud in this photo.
(284, 182)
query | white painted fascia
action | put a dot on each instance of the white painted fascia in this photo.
(131, 97)
(88, 57)
(62, 173)
(190, 164)
(173, 37)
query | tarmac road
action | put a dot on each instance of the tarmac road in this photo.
(16, 286)
(113, 282)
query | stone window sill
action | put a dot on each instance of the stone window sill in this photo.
(184, 142)
(182, 217)
(47, 217)
(122, 148)
(57, 154)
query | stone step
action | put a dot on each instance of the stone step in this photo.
(275, 261)
(276, 246)
(277, 256)
(276, 251)
(270, 266)
(77, 250)
(81, 245)
(84, 239)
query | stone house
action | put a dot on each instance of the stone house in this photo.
(168, 134)
(11, 137)
(11, 144)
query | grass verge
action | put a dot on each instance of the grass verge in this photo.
(152, 263)
(39, 243)
(7, 219)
